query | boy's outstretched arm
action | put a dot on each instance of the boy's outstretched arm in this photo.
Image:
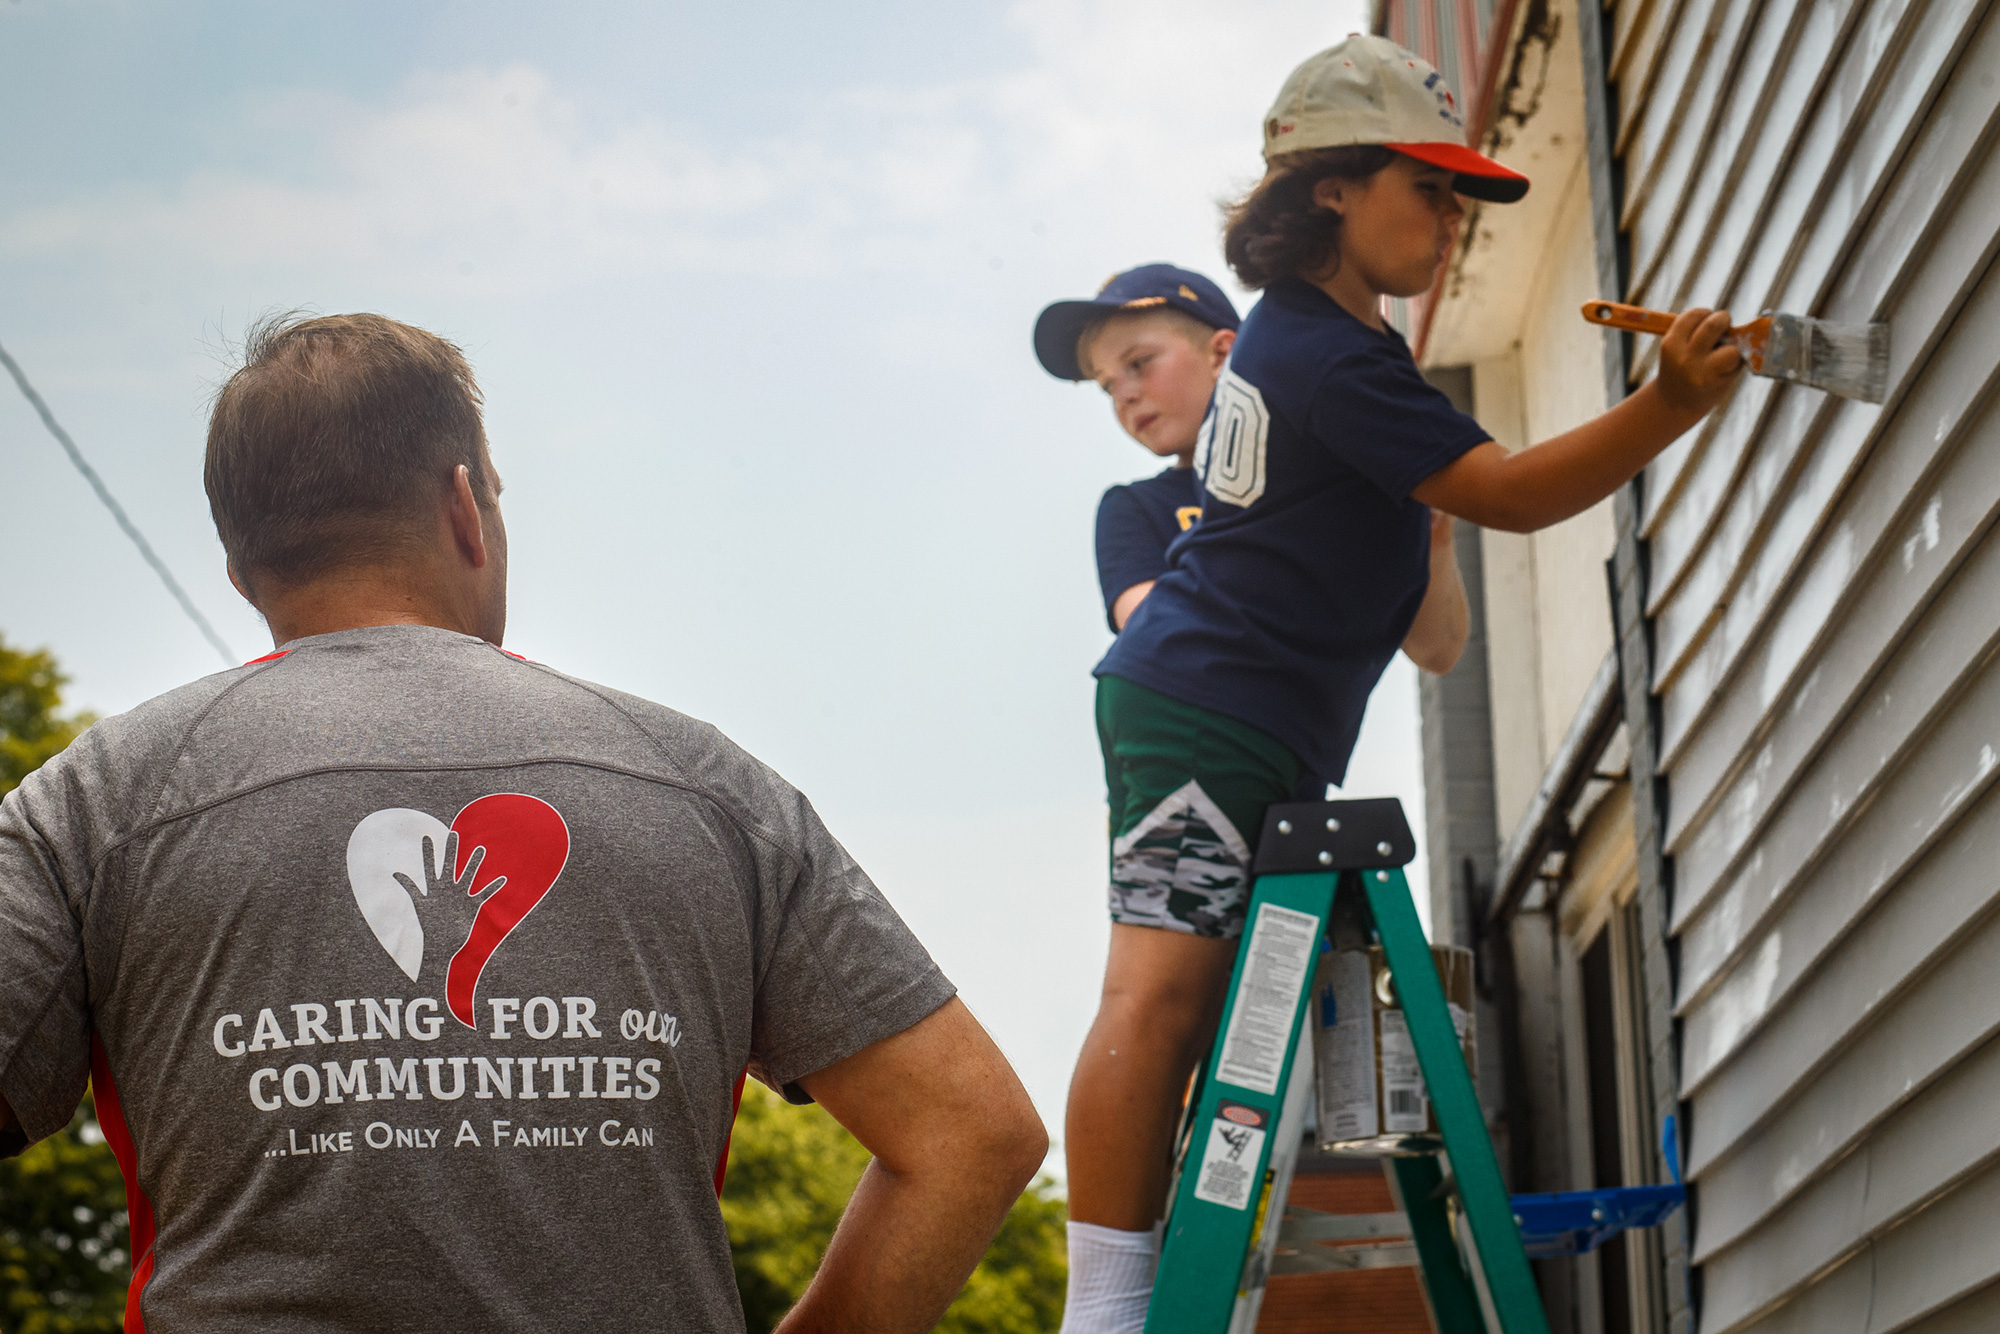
(1437, 637)
(1567, 474)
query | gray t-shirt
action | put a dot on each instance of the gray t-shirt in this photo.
(376, 1079)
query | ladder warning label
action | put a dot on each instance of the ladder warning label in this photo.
(1275, 961)
(1228, 1173)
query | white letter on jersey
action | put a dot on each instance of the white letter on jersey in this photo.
(541, 1032)
(268, 1033)
(505, 1011)
(425, 1029)
(580, 1008)
(292, 1093)
(1229, 453)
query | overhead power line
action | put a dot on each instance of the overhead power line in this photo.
(117, 511)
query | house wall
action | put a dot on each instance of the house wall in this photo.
(1458, 742)
(1823, 590)
(1547, 611)
(1509, 311)
(1822, 598)
(1562, 389)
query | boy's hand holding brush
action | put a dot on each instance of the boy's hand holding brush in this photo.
(1566, 474)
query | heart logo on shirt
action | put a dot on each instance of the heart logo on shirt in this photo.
(505, 853)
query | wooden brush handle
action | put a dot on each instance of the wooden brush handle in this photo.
(1619, 316)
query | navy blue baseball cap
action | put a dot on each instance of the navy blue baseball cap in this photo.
(1150, 286)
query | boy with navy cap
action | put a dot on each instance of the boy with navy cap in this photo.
(1153, 338)
(1326, 462)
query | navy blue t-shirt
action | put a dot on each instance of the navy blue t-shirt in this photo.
(1283, 605)
(1135, 524)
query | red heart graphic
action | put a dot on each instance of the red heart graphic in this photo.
(527, 842)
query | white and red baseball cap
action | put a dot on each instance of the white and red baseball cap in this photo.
(1368, 90)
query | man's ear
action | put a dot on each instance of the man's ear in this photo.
(468, 528)
(236, 582)
(1219, 344)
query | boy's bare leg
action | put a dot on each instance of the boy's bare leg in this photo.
(1163, 992)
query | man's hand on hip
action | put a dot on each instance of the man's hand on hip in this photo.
(955, 1141)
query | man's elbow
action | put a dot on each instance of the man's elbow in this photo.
(1005, 1141)
(992, 1136)
(1031, 1148)
(1016, 1145)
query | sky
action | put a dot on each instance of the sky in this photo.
(750, 301)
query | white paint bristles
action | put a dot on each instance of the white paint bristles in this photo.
(1851, 360)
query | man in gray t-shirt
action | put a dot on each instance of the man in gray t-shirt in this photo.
(414, 978)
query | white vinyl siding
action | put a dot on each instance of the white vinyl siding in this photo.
(1824, 593)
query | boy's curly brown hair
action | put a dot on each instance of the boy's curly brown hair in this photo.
(1277, 231)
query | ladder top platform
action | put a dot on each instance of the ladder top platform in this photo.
(1362, 835)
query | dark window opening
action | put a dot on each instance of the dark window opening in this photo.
(1600, 1037)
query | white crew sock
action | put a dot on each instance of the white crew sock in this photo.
(1110, 1279)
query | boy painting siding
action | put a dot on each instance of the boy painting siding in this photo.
(1326, 461)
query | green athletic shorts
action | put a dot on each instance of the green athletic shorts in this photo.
(1188, 790)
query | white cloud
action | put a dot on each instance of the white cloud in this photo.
(490, 181)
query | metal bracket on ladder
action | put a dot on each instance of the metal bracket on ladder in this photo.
(1241, 1136)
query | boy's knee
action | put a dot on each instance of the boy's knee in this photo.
(1176, 998)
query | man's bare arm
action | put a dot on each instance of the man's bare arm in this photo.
(955, 1141)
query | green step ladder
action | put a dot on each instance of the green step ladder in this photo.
(1240, 1137)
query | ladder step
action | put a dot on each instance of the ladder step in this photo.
(1331, 1259)
(1302, 1237)
(1304, 1225)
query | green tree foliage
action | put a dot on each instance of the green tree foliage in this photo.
(63, 1237)
(31, 729)
(791, 1171)
(1018, 1287)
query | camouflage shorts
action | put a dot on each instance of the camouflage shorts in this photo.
(1188, 790)
(1184, 867)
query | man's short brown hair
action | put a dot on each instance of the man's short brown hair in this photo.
(332, 444)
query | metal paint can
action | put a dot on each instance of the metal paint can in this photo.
(1372, 1101)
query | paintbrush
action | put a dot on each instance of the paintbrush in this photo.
(1851, 360)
